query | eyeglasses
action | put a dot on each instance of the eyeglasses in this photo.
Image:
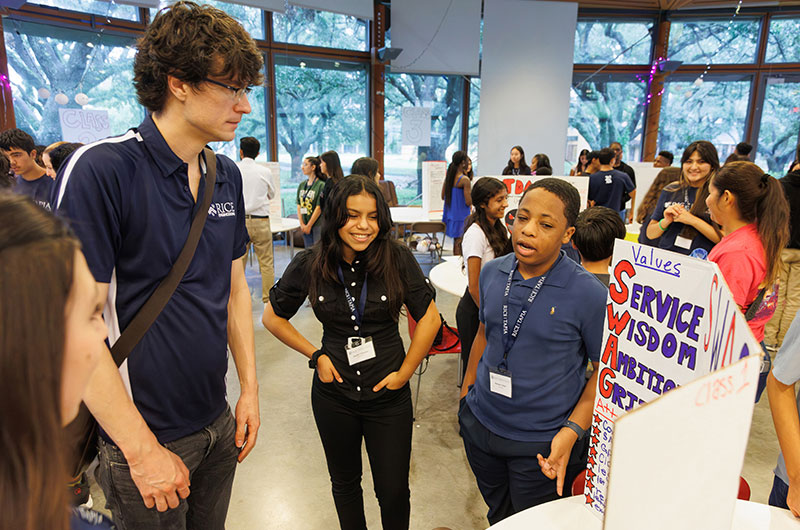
(236, 93)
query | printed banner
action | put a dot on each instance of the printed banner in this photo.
(433, 173)
(669, 320)
(516, 186)
(84, 126)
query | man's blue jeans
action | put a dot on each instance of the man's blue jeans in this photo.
(210, 454)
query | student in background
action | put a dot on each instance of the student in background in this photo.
(666, 176)
(46, 163)
(753, 212)
(457, 196)
(592, 162)
(32, 180)
(516, 164)
(358, 278)
(580, 168)
(55, 312)
(485, 238)
(526, 403)
(596, 230)
(664, 159)
(55, 157)
(539, 162)
(331, 167)
(368, 167)
(309, 194)
(7, 179)
(607, 185)
(619, 165)
(680, 221)
(789, 282)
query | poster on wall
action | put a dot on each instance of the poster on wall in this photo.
(275, 205)
(669, 320)
(516, 186)
(416, 126)
(433, 173)
(84, 126)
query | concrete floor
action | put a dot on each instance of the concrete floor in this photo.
(284, 482)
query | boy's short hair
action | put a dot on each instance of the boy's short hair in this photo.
(249, 146)
(595, 231)
(592, 155)
(191, 42)
(605, 156)
(743, 148)
(564, 191)
(667, 155)
(544, 171)
(17, 138)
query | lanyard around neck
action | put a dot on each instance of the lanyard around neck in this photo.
(357, 313)
(510, 338)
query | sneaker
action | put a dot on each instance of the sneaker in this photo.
(79, 491)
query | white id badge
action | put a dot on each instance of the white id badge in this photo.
(304, 210)
(500, 382)
(683, 242)
(359, 349)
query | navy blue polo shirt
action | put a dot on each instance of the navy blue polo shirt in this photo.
(39, 190)
(128, 200)
(606, 188)
(563, 329)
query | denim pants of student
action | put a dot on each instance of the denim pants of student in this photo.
(777, 496)
(313, 237)
(210, 454)
(385, 425)
(508, 472)
(467, 322)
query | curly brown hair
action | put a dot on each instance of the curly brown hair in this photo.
(191, 42)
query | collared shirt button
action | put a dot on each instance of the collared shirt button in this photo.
(321, 298)
(353, 284)
(356, 262)
(352, 269)
(427, 280)
(383, 298)
(355, 328)
(358, 372)
(358, 388)
(352, 317)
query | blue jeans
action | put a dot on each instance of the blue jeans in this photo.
(210, 454)
(313, 237)
(777, 497)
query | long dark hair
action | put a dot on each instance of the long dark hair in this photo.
(32, 316)
(482, 192)
(666, 176)
(317, 171)
(365, 166)
(581, 167)
(381, 255)
(760, 199)
(708, 153)
(333, 164)
(542, 160)
(522, 163)
(457, 163)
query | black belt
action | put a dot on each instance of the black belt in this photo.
(256, 216)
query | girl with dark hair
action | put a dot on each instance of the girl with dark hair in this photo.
(358, 278)
(485, 238)
(309, 195)
(331, 167)
(6, 177)
(583, 163)
(516, 164)
(666, 176)
(456, 193)
(752, 210)
(54, 310)
(366, 166)
(55, 157)
(540, 161)
(680, 221)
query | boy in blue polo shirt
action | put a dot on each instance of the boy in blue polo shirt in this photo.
(526, 403)
(32, 180)
(131, 200)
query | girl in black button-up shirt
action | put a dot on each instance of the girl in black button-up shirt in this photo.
(369, 399)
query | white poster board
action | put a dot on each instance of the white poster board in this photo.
(276, 204)
(433, 173)
(84, 126)
(516, 186)
(416, 126)
(645, 175)
(670, 319)
(675, 462)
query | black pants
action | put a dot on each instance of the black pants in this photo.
(467, 323)
(385, 424)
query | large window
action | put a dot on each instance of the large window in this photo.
(602, 41)
(714, 41)
(95, 7)
(69, 62)
(783, 45)
(251, 18)
(780, 124)
(321, 105)
(474, 118)
(605, 109)
(714, 110)
(403, 163)
(320, 28)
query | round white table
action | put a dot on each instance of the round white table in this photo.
(569, 513)
(449, 276)
(284, 224)
(405, 215)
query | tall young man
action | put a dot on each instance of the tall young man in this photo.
(131, 200)
(619, 165)
(607, 186)
(32, 179)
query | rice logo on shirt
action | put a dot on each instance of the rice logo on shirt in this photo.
(222, 209)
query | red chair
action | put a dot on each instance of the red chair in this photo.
(451, 343)
(580, 482)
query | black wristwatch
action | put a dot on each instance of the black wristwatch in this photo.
(312, 363)
(575, 427)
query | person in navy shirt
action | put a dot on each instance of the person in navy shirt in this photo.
(131, 200)
(32, 179)
(608, 185)
(526, 403)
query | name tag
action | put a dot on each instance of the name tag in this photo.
(500, 382)
(683, 242)
(359, 349)
(304, 210)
